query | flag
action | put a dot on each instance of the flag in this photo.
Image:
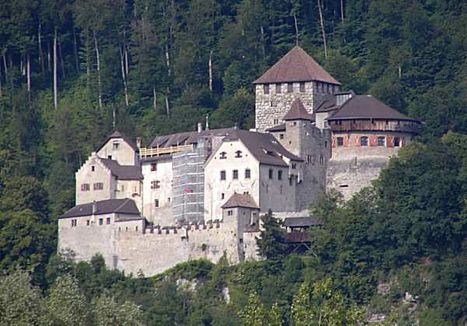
(188, 190)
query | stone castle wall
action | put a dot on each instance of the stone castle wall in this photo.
(129, 247)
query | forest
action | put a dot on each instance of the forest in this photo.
(72, 71)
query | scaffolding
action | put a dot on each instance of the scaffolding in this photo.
(188, 185)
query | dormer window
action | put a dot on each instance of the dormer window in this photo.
(223, 155)
(266, 89)
(238, 154)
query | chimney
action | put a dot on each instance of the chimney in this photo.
(207, 122)
(200, 127)
(138, 142)
(343, 97)
(94, 207)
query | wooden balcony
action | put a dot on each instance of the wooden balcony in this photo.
(158, 151)
(297, 237)
(375, 125)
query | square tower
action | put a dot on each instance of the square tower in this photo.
(296, 75)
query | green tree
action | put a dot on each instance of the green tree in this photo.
(108, 312)
(271, 242)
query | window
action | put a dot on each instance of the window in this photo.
(381, 140)
(266, 89)
(156, 202)
(321, 160)
(85, 187)
(229, 212)
(107, 220)
(223, 155)
(93, 168)
(279, 88)
(397, 141)
(364, 141)
(289, 87)
(168, 199)
(101, 221)
(281, 136)
(340, 141)
(235, 174)
(238, 154)
(88, 222)
(302, 87)
(276, 121)
(153, 166)
(308, 158)
(98, 186)
(270, 173)
(247, 173)
(115, 146)
(279, 175)
(223, 175)
(109, 157)
(155, 184)
(222, 195)
(136, 228)
(74, 222)
(325, 144)
(290, 181)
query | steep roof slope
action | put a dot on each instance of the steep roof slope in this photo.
(296, 66)
(264, 147)
(119, 206)
(367, 107)
(123, 172)
(297, 112)
(118, 134)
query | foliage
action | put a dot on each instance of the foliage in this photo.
(271, 242)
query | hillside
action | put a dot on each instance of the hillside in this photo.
(71, 71)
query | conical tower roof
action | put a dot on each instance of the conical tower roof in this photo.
(296, 66)
(297, 112)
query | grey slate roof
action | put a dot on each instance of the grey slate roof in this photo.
(264, 147)
(297, 112)
(123, 172)
(186, 138)
(296, 66)
(240, 200)
(367, 107)
(296, 222)
(277, 128)
(109, 206)
(117, 134)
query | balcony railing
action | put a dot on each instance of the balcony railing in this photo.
(158, 151)
(358, 125)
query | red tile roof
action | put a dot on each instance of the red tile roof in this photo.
(296, 66)
(240, 200)
(297, 112)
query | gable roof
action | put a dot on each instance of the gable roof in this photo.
(240, 200)
(297, 112)
(295, 222)
(109, 206)
(263, 146)
(118, 134)
(123, 172)
(367, 107)
(296, 66)
(280, 127)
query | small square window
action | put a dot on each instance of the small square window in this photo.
(156, 202)
(381, 141)
(340, 141)
(74, 223)
(222, 195)
(88, 222)
(302, 87)
(279, 88)
(364, 141)
(223, 175)
(235, 174)
(238, 154)
(279, 175)
(397, 141)
(107, 220)
(266, 89)
(270, 173)
(223, 155)
(229, 212)
(281, 136)
(93, 168)
(153, 166)
(155, 184)
(115, 146)
(289, 87)
(109, 157)
(101, 221)
(247, 173)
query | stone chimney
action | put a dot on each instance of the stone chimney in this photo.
(200, 127)
(207, 122)
(138, 142)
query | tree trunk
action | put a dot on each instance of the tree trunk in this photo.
(342, 10)
(5, 66)
(28, 75)
(296, 29)
(1, 84)
(167, 60)
(39, 45)
(263, 46)
(62, 63)
(322, 29)
(75, 50)
(122, 65)
(88, 61)
(154, 100)
(98, 67)
(167, 105)
(55, 70)
(49, 59)
(210, 70)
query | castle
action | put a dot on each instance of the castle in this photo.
(199, 194)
